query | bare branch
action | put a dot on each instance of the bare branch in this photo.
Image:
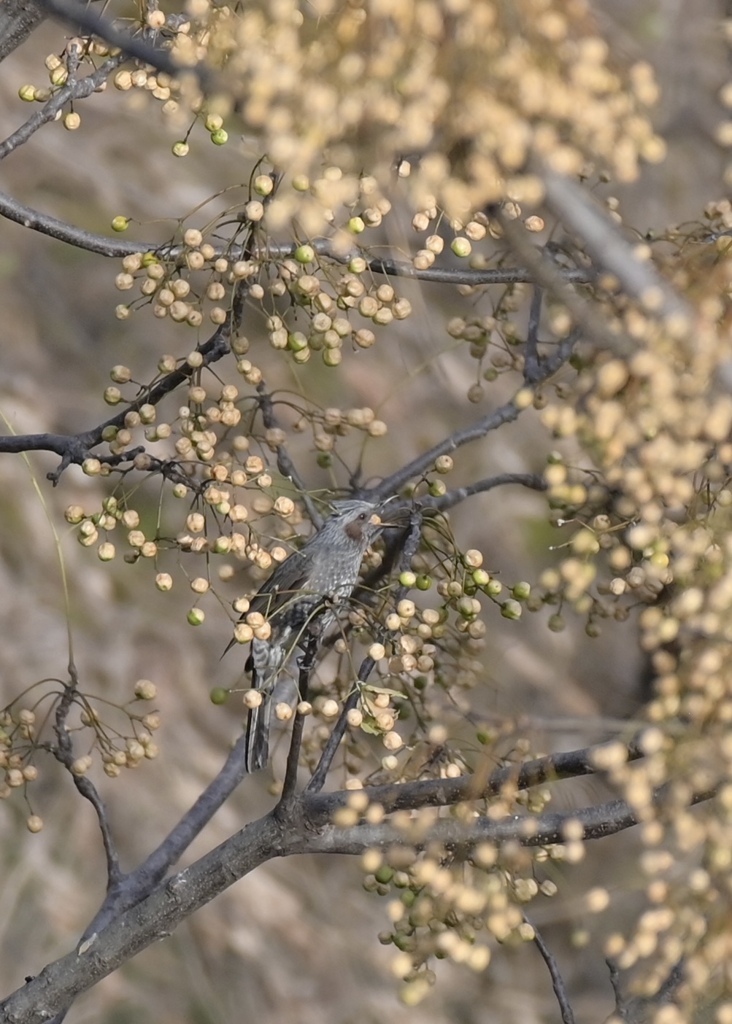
(284, 463)
(437, 275)
(59, 983)
(132, 888)
(64, 753)
(18, 18)
(74, 448)
(550, 829)
(479, 786)
(608, 249)
(289, 785)
(118, 248)
(392, 484)
(138, 46)
(534, 481)
(75, 89)
(544, 271)
(558, 985)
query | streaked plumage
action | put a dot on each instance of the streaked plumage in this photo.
(301, 599)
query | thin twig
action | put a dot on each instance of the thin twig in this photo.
(75, 448)
(532, 365)
(116, 248)
(602, 239)
(64, 753)
(77, 89)
(138, 46)
(289, 784)
(284, 462)
(558, 985)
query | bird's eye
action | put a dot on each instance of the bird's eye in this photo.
(362, 517)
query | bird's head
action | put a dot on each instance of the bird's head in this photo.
(357, 522)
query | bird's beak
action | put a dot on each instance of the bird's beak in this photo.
(375, 520)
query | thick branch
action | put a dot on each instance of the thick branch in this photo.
(59, 983)
(18, 18)
(133, 887)
(480, 786)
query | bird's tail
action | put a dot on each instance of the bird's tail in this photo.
(258, 722)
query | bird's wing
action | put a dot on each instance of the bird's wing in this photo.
(288, 579)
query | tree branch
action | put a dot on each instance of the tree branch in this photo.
(74, 448)
(60, 982)
(558, 985)
(79, 16)
(392, 484)
(75, 89)
(399, 796)
(529, 830)
(607, 248)
(116, 248)
(64, 753)
(287, 799)
(18, 18)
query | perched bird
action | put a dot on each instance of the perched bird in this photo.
(300, 600)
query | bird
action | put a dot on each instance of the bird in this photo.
(300, 600)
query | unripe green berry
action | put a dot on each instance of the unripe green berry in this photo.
(219, 695)
(304, 254)
(408, 579)
(511, 609)
(120, 223)
(521, 591)
(196, 616)
(263, 185)
(461, 247)
(220, 137)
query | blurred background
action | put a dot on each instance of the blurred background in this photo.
(297, 940)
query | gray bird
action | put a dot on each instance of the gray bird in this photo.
(300, 600)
